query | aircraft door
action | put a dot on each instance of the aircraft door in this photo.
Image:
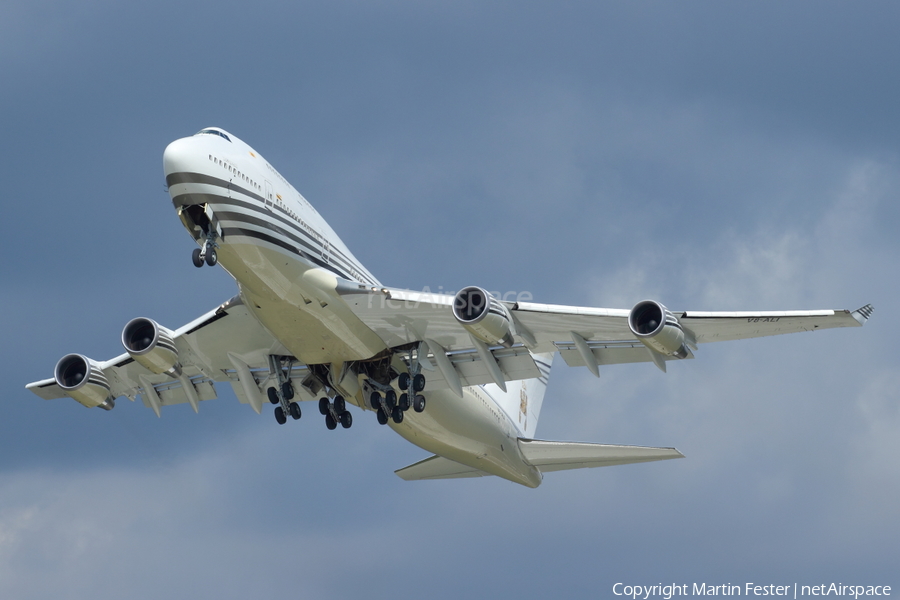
(270, 195)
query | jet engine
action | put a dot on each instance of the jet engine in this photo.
(483, 316)
(150, 344)
(83, 379)
(658, 329)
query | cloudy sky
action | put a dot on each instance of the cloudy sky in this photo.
(714, 156)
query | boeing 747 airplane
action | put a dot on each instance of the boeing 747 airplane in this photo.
(462, 376)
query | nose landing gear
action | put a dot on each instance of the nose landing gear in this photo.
(206, 253)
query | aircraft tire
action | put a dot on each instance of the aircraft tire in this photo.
(403, 381)
(418, 383)
(287, 390)
(272, 393)
(397, 415)
(382, 417)
(339, 405)
(346, 419)
(375, 400)
(419, 403)
(390, 399)
(330, 423)
(195, 258)
(211, 257)
(279, 415)
(323, 406)
(295, 410)
(403, 403)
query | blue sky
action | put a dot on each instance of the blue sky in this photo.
(712, 156)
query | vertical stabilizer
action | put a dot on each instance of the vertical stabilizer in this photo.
(522, 399)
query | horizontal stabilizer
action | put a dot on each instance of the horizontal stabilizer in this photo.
(546, 456)
(561, 456)
(438, 467)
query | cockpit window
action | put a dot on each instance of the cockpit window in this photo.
(213, 132)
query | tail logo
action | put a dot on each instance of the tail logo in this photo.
(523, 407)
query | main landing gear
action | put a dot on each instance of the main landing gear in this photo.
(282, 399)
(391, 407)
(282, 393)
(335, 412)
(206, 253)
(418, 384)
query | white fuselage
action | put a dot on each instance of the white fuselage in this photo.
(287, 262)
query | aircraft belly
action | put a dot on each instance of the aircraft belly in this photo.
(299, 305)
(294, 302)
(467, 431)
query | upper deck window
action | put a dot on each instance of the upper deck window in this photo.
(213, 132)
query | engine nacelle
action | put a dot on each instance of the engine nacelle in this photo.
(150, 344)
(82, 379)
(483, 316)
(658, 329)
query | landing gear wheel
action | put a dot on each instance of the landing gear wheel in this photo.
(272, 393)
(323, 406)
(397, 415)
(346, 419)
(382, 417)
(211, 258)
(403, 381)
(279, 415)
(375, 400)
(330, 423)
(195, 258)
(418, 383)
(339, 405)
(295, 410)
(287, 390)
(390, 399)
(404, 402)
(419, 403)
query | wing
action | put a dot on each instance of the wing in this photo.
(583, 336)
(609, 340)
(226, 345)
(723, 326)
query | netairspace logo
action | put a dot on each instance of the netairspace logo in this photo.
(667, 592)
(397, 299)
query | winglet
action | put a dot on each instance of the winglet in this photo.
(862, 314)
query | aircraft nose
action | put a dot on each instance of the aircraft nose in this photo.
(178, 156)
